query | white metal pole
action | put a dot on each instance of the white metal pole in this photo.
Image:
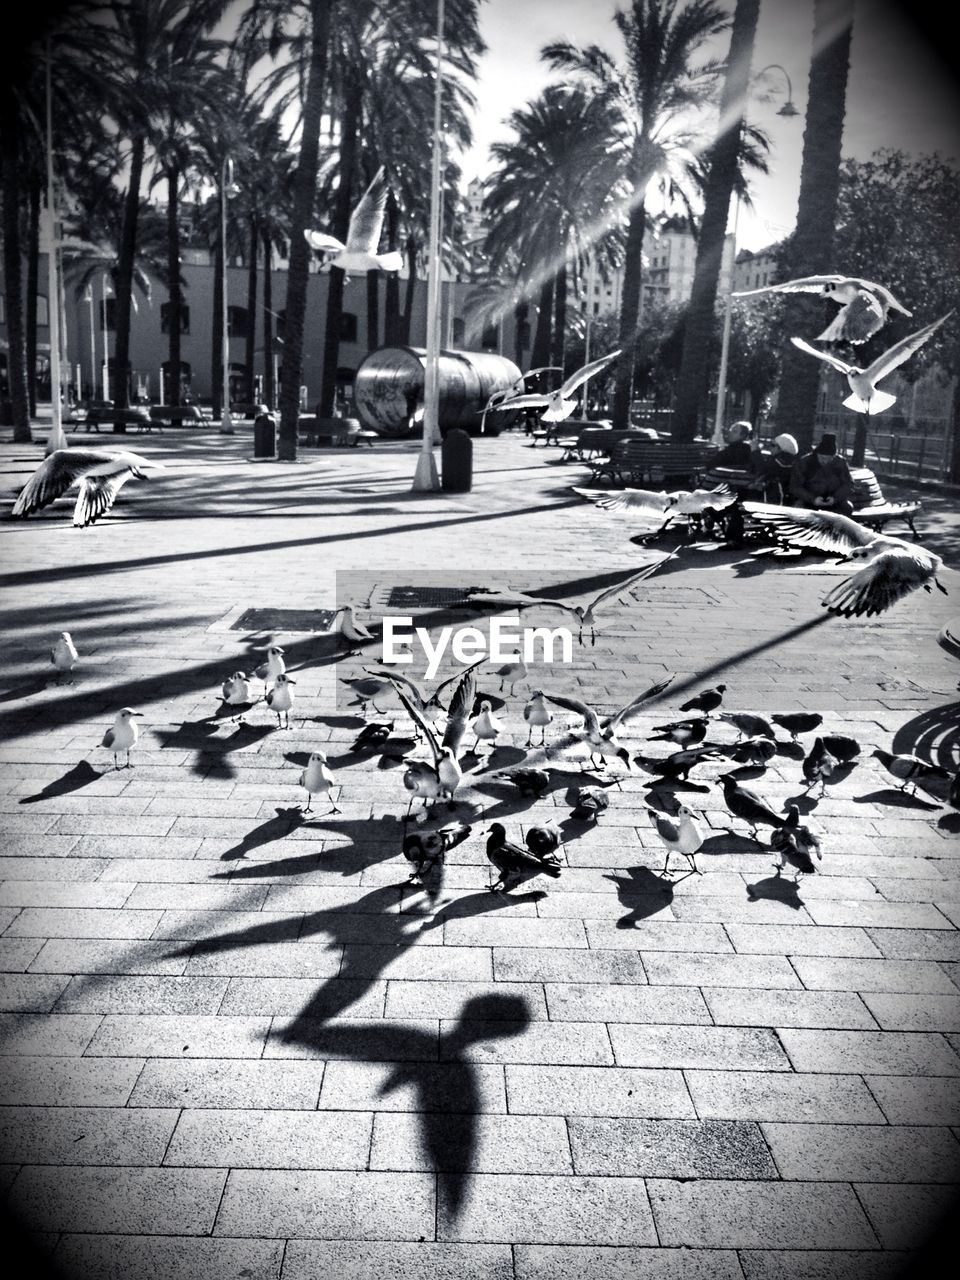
(106, 339)
(93, 343)
(426, 477)
(56, 439)
(725, 344)
(226, 421)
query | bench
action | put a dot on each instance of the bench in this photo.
(334, 431)
(651, 462)
(176, 415)
(872, 509)
(119, 419)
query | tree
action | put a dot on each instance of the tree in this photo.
(650, 100)
(812, 244)
(756, 338)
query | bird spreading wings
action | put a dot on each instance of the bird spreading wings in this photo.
(892, 570)
(416, 694)
(360, 254)
(863, 304)
(458, 713)
(864, 396)
(649, 502)
(594, 729)
(100, 473)
(559, 404)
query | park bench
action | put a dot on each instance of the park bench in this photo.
(872, 509)
(644, 462)
(334, 431)
(177, 415)
(119, 419)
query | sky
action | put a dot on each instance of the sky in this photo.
(900, 94)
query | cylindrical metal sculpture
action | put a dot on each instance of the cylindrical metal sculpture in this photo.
(388, 389)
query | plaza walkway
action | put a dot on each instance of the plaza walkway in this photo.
(237, 1043)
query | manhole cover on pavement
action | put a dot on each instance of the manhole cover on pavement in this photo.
(284, 620)
(427, 597)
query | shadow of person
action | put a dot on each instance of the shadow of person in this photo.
(79, 776)
(644, 893)
(439, 1072)
(776, 889)
(285, 821)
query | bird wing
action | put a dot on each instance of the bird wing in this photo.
(418, 718)
(394, 677)
(641, 575)
(590, 718)
(530, 400)
(55, 476)
(366, 221)
(324, 243)
(625, 713)
(826, 356)
(97, 495)
(445, 684)
(886, 579)
(543, 368)
(108, 738)
(824, 530)
(518, 598)
(805, 284)
(902, 350)
(624, 499)
(461, 706)
(666, 829)
(576, 380)
(857, 321)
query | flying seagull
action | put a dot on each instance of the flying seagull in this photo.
(892, 569)
(864, 396)
(601, 735)
(863, 304)
(359, 254)
(100, 473)
(442, 777)
(559, 404)
(648, 502)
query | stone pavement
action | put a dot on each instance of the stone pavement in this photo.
(237, 1043)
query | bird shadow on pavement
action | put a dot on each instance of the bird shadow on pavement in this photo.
(792, 750)
(81, 775)
(950, 822)
(732, 842)
(897, 799)
(28, 689)
(804, 801)
(661, 793)
(776, 889)
(212, 750)
(471, 905)
(933, 735)
(643, 892)
(275, 828)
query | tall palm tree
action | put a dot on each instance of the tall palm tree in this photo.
(650, 99)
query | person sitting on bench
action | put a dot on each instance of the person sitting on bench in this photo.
(737, 452)
(821, 479)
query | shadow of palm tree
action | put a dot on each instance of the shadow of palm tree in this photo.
(81, 775)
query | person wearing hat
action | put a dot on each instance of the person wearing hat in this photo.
(775, 470)
(821, 479)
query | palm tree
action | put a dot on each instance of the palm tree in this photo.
(812, 245)
(10, 130)
(650, 100)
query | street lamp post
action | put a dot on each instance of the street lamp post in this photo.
(227, 189)
(104, 291)
(88, 299)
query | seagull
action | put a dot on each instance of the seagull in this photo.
(273, 667)
(864, 396)
(514, 863)
(893, 568)
(64, 655)
(746, 804)
(748, 726)
(910, 770)
(559, 404)
(600, 735)
(863, 304)
(424, 849)
(797, 722)
(590, 803)
(529, 782)
(685, 733)
(819, 766)
(350, 628)
(236, 692)
(486, 726)
(100, 473)
(679, 837)
(796, 844)
(511, 672)
(584, 614)
(122, 735)
(280, 698)
(359, 254)
(442, 777)
(706, 701)
(682, 502)
(316, 778)
(424, 702)
(367, 689)
(537, 715)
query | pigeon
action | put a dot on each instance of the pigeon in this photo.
(529, 782)
(682, 836)
(424, 849)
(686, 733)
(352, 630)
(511, 672)
(280, 699)
(819, 765)
(273, 667)
(678, 765)
(796, 844)
(706, 701)
(544, 838)
(558, 405)
(863, 304)
(747, 805)
(841, 747)
(797, 722)
(367, 689)
(423, 782)
(749, 726)
(891, 569)
(911, 770)
(757, 751)
(864, 396)
(359, 255)
(537, 715)
(64, 655)
(373, 734)
(515, 864)
(650, 502)
(600, 735)
(441, 778)
(100, 473)
(486, 726)
(590, 803)
(317, 779)
(122, 735)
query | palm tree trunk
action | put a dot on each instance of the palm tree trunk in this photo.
(391, 301)
(269, 387)
(216, 346)
(373, 310)
(409, 291)
(304, 194)
(175, 288)
(812, 249)
(521, 328)
(560, 317)
(700, 320)
(541, 339)
(13, 264)
(349, 127)
(629, 315)
(33, 279)
(128, 251)
(251, 334)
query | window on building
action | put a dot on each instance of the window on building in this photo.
(166, 312)
(108, 312)
(348, 326)
(237, 322)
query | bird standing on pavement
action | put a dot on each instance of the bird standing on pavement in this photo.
(758, 751)
(537, 715)
(373, 734)
(273, 667)
(236, 692)
(601, 735)
(425, 849)
(367, 689)
(64, 655)
(544, 838)
(819, 766)
(686, 733)
(514, 863)
(486, 726)
(706, 701)
(558, 405)
(280, 699)
(863, 304)
(359, 254)
(842, 747)
(529, 782)
(797, 722)
(100, 473)
(590, 803)
(910, 771)
(511, 672)
(353, 632)
(796, 844)
(678, 764)
(680, 836)
(747, 805)
(748, 726)
(122, 735)
(316, 779)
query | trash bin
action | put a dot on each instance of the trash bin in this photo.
(456, 456)
(265, 436)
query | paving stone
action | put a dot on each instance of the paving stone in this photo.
(144, 994)
(287, 997)
(574, 1262)
(396, 1260)
(426, 999)
(798, 1098)
(554, 1042)
(658, 935)
(916, 1012)
(96, 956)
(669, 1148)
(101, 1257)
(829, 974)
(917, 944)
(555, 964)
(549, 1210)
(481, 1144)
(879, 915)
(811, 1264)
(756, 1215)
(748, 1049)
(51, 893)
(597, 1002)
(53, 1081)
(55, 922)
(30, 992)
(271, 1139)
(224, 1083)
(598, 906)
(704, 969)
(198, 897)
(913, 1100)
(744, 910)
(46, 1034)
(799, 940)
(177, 1036)
(874, 1052)
(228, 931)
(736, 1007)
(17, 954)
(596, 1091)
(294, 958)
(332, 1206)
(85, 1135)
(467, 963)
(874, 1153)
(501, 932)
(432, 1086)
(904, 1216)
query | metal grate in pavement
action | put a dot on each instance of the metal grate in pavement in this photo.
(284, 620)
(427, 597)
